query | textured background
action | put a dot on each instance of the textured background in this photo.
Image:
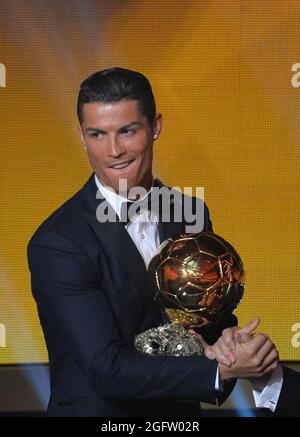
(221, 74)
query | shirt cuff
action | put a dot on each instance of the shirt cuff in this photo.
(218, 382)
(268, 397)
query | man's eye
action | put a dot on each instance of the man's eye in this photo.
(128, 131)
(96, 135)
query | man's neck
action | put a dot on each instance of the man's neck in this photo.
(126, 194)
(147, 185)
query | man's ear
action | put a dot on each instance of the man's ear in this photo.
(157, 125)
(81, 135)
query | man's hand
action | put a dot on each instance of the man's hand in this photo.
(254, 359)
(231, 336)
(223, 349)
(241, 353)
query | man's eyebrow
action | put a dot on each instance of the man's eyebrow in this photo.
(130, 125)
(94, 129)
(101, 131)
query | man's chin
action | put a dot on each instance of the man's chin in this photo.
(123, 185)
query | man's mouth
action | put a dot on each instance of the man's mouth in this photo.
(122, 165)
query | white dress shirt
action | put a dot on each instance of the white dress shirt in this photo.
(143, 230)
(269, 395)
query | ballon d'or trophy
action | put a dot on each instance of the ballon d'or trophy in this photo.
(196, 280)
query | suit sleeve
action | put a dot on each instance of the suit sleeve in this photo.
(75, 313)
(207, 221)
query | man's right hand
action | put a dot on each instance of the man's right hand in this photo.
(223, 349)
(254, 359)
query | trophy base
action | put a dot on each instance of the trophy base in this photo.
(168, 340)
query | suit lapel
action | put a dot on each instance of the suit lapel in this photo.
(112, 235)
(170, 228)
(116, 240)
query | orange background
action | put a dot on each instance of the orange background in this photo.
(221, 74)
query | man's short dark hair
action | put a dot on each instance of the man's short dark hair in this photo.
(116, 84)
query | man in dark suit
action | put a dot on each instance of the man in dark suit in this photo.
(286, 402)
(89, 276)
(277, 392)
(289, 400)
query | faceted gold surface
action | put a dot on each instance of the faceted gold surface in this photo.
(196, 279)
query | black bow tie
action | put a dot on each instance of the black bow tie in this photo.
(151, 202)
(129, 208)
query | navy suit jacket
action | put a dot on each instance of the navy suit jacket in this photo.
(90, 284)
(289, 400)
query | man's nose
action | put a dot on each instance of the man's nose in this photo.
(114, 147)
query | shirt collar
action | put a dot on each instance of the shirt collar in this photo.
(114, 199)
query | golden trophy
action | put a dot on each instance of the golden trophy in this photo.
(196, 280)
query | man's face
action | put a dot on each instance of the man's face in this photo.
(119, 142)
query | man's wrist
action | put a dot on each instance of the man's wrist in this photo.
(260, 383)
(224, 373)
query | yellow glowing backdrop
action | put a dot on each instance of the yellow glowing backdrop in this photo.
(221, 73)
